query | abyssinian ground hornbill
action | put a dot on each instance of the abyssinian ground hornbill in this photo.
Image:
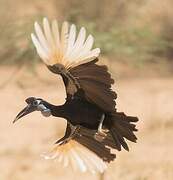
(94, 127)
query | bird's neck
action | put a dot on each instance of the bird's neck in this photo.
(57, 111)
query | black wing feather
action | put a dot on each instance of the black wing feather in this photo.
(85, 137)
(89, 81)
(96, 81)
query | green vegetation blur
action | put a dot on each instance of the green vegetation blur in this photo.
(136, 32)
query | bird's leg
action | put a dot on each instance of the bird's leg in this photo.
(68, 137)
(102, 131)
(75, 130)
(63, 140)
(100, 135)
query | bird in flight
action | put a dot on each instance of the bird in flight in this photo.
(94, 127)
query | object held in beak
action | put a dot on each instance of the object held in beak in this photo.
(27, 110)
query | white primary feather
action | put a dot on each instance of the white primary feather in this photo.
(56, 37)
(66, 161)
(78, 44)
(63, 46)
(77, 156)
(80, 163)
(48, 33)
(94, 53)
(96, 162)
(40, 49)
(60, 158)
(90, 166)
(64, 37)
(71, 39)
(85, 48)
(41, 37)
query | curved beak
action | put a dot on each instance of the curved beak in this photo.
(27, 110)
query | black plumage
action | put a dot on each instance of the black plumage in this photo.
(92, 118)
(85, 106)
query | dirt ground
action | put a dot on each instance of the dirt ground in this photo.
(22, 143)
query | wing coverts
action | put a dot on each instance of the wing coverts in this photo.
(96, 81)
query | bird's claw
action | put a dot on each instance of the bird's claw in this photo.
(100, 135)
(61, 142)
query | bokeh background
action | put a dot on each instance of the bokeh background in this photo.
(136, 40)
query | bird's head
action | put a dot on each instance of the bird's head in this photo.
(34, 104)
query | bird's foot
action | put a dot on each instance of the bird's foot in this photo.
(65, 141)
(101, 134)
(62, 141)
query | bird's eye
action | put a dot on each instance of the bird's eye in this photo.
(35, 103)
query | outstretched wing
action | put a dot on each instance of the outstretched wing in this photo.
(72, 56)
(63, 47)
(82, 151)
(95, 82)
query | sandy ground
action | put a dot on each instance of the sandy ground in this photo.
(22, 143)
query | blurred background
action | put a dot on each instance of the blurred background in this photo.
(136, 41)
